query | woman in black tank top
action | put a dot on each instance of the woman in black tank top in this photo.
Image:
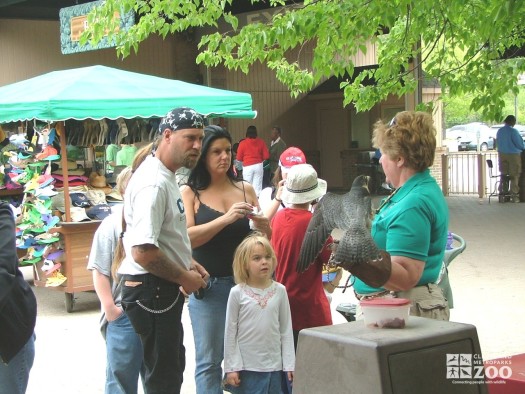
(218, 211)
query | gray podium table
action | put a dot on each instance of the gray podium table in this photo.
(427, 356)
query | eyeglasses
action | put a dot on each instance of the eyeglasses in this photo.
(386, 200)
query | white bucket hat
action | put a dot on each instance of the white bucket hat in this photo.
(302, 185)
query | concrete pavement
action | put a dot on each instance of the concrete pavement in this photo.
(487, 281)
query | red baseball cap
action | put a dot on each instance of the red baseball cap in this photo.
(291, 157)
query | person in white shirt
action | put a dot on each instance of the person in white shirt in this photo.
(158, 251)
(258, 341)
(123, 346)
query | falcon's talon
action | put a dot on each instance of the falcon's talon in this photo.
(380, 258)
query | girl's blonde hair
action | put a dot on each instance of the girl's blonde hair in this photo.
(243, 255)
(122, 182)
(119, 254)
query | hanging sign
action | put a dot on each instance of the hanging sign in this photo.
(73, 22)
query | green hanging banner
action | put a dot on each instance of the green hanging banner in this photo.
(73, 22)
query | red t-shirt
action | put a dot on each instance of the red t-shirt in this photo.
(252, 151)
(308, 302)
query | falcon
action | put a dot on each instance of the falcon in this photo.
(351, 215)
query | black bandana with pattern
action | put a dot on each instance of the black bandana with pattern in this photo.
(182, 118)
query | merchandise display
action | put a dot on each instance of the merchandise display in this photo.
(62, 133)
(33, 179)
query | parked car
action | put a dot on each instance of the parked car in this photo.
(472, 136)
(519, 127)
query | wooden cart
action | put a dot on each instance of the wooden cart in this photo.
(77, 240)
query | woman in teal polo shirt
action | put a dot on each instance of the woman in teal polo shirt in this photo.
(411, 224)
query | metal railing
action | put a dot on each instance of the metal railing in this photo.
(467, 173)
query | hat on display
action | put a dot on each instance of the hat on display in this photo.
(71, 165)
(76, 171)
(96, 197)
(77, 215)
(98, 212)
(58, 202)
(15, 160)
(291, 157)
(45, 180)
(47, 238)
(73, 180)
(114, 196)
(97, 181)
(45, 192)
(18, 140)
(302, 185)
(182, 118)
(25, 154)
(79, 200)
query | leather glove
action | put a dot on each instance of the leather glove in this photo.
(374, 273)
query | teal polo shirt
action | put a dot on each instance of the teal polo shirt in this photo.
(414, 224)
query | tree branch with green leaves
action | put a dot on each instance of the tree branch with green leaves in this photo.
(462, 43)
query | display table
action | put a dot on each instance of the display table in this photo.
(78, 238)
(498, 379)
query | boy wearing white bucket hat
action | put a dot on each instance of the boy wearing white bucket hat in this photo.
(308, 302)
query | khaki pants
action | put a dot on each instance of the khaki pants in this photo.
(427, 301)
(510, 164)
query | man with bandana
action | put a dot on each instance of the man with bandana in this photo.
(158, 251)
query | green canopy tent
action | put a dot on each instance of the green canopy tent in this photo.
(99, 92)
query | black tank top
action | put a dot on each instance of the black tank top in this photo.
(216, 255)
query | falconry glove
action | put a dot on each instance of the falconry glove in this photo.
(374, 273)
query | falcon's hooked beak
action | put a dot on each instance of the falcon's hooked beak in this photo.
(366, 183)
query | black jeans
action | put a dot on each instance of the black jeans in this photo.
(154, 307)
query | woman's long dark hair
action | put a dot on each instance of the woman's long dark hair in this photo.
(200, 178)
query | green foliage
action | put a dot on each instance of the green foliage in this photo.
(457, 42)
(457, 109)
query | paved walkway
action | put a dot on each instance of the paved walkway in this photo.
(487, 279)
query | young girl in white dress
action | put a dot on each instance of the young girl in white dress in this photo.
(258, 341)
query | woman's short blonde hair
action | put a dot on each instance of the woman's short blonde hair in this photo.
(410, 135)
(243, 255)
